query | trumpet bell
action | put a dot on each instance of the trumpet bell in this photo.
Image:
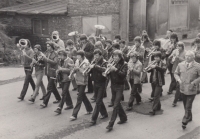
(99, 27)
(73, 33)
(23, 42)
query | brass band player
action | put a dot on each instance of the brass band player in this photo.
(134, 73)
(178, 55)
(157, 80)
(39, 65)
(65, 66)
(57, 42)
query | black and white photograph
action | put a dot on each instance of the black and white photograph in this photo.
(99, 69)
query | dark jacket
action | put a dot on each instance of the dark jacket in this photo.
(89, 49)
(160, 71)
(97, 71)
(125, 52)
(110, 52)
(51, 64)
(118, 77)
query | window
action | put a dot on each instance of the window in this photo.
(40, 27)
(89, 22)
(178, 14)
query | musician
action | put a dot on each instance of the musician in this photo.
(92, 39)
(51, 60)
(27, 55)
(109, 48)
(66, 64)
(134, 73)
(82, 80)
(173, 46)
(99, 45)
(124, 50)
(99, 85)
(117, 75)
(178, 55)
(58, 43)
(188, 75)
(88, 48)
(147, 44)
(71, 52)
(39, 72)
(117, 39)
(157, 80)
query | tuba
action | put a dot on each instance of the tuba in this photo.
(22, 43)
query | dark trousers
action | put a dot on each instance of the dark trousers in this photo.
(173, 83)
(126, 85)
(157, 90)
(187, 102)
(82, 98)
(66, 97)
(99, 89)
(178, 95)
(117, 91)
(51, 88)
(28, 79)
(90, 85)
(134, 94)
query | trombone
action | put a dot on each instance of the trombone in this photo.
(148, 68)
(86, 71)
(150, 54)
(132, 50)
(73, 70)
(107, 71)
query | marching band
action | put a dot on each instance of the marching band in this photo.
(93, 62)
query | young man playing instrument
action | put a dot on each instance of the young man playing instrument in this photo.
(82, 80)
(51, 59)
(157, 80)
(134, 73)
(99, 85)
(66, 64)
(118, 72)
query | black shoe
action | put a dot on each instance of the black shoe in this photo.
(42, 98)
(31, 100)
(58, 111)
(21, 98)
(74, 89)
(169, 93)
(92, 123)
(152, 112)
(57, 101)
(109, 127)
(173, 104)
(184, 126)
(110, 105)
(121, 122)
(103, 116)
(69, 107)
(128, 108)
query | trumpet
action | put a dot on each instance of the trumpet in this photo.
(149, 66)
(132, 50)
(73, 70)
(89, 69)
(150, 54)
(107, 71)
